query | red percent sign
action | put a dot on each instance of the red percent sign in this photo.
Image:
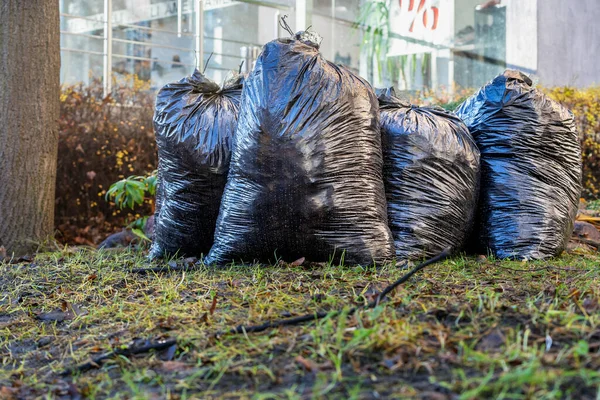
(429, 15)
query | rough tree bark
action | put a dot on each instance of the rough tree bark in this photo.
(29, 109)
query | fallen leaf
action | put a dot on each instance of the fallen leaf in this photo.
(74, 392)
(54, 316)
(550, 290)
(213, 306)
(61, 388)
(298, 262)
(190, 261)
(76, 310)
(371, 296)
(310, 365)
(8, 393)
(204, 318)
(307, 364)
(235, 283)
(430, 395)
(167, 323)
(92, 277)
(44, 341)
(319, 297)
(590, 304)
(174, 366)
(491, 342)
(390, 363)
(67, 312)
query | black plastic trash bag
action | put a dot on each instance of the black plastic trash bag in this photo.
(195, 121)
(306, 170)
(531, 168)
(431, 175)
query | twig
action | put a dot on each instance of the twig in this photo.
(283, 23)
(206, 64)
(95, 362)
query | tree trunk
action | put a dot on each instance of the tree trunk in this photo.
(29, 109)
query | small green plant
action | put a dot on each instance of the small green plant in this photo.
(131, 192)
(373, 19)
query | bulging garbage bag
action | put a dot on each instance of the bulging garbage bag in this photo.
(531, 168)
(306, 170)
(431, 175)
(194, 121)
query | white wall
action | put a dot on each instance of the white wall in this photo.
(569, 42)
(522, 35)
(464, 14)
(268, 27)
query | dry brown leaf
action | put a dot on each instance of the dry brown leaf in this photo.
(298, 262)
(213, 306)
(8, 393)
(309, 365)
(57, 316)
(174, 366)
(431, 395)
(204, 318)
(491, 342)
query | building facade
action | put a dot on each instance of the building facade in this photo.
(425, 43)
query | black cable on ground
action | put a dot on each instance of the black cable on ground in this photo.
(321, 315)
(161, 345)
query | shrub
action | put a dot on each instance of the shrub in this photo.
(585, 104)
(101, 140)
(448, 100)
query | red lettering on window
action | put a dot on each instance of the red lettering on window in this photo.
(434, 20)
(429, 16)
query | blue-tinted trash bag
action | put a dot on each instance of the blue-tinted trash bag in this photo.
(531, 168)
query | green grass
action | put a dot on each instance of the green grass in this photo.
(464, 328)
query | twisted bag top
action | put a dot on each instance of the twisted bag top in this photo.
(195, 115)
(306, 171)
(195, 121)
(531, 168)
(431, 174)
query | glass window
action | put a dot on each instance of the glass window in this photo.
(82, 40)
(426, 43)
